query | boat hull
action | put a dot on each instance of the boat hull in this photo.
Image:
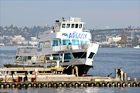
(82, 69)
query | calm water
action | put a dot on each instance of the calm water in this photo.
(106, 60)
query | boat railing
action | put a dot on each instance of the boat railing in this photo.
(27, 46)
(86, 31)
(28, 62)
(26, 50)
(94, 42)
(70, 47)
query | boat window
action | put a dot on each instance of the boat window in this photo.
(41, 58)
(41, 44)
(72, 26)
(79, 55)
(75, 42)
(29, 57)
(63, 25)
(57, 25)
(76, 25)
(25, 58)
(47, 57)
(67, 56)
(56, 57)
(55, 43)
(66, 42)
(91, 55)
(83, 42)
(68, 25)
(80, 25)
(47, 44)
(19, 58)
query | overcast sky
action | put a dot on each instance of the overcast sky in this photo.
(96, 13)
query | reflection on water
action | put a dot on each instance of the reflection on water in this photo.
(75, 90)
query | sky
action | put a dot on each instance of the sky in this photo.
(95, 13)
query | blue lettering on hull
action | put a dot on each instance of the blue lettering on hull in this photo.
(75, 35)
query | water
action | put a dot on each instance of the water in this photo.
(74, 90)
(7, 55)
(106, 60)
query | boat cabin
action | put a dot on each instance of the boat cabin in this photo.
(65, 33)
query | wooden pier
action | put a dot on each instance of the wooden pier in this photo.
(55, 78)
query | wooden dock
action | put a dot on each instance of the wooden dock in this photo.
(55, 78)
(67, 81)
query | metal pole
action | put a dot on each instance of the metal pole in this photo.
(124, 76)
(116, 73)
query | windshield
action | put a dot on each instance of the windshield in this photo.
(79, 55)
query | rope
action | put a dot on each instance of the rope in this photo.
(75, 61)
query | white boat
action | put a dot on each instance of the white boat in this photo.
(66, 45)
(138, 46)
